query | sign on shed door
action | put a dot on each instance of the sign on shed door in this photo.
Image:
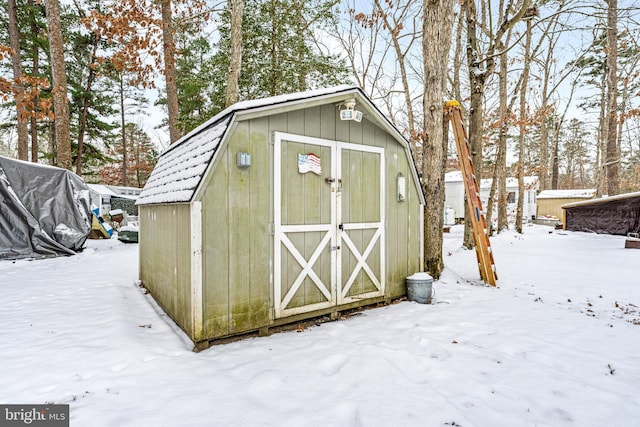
(329, 223)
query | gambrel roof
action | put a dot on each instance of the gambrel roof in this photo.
(181, 168)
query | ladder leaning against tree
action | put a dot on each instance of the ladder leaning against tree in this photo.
(480, 236)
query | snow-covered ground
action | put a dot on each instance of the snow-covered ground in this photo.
(556, 344)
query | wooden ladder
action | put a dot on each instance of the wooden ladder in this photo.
(480, 236)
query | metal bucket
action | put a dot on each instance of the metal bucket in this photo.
(420, 288)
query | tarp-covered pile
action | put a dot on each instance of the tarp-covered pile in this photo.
(44, 211)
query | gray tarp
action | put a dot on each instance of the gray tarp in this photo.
(44, 211)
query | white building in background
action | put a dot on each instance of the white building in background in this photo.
(455, 197)
(102, 196)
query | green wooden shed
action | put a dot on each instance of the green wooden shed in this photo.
(279, 210)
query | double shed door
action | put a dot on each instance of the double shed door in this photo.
(328, 226)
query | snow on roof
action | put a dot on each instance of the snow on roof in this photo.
(264, 102)
(583, 193)
(279, 99)
(603, 199)
(101, 189)
(530, 182)
(456, 176)
(180, 169)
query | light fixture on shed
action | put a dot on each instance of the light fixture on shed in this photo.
(402, 188)
(243, 160)
(348, 110)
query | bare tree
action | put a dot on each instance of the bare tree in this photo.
(612, 164)
(481, 65)
(523, 122)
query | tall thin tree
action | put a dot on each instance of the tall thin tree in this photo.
(481, 65)
(18, 89)
(59, 76)
(523, 124)
(612, 164)
(436, 42)
(169, 50)
(235, 53)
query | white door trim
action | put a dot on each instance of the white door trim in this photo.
(280, 236)
(379, 235)
(335, 292)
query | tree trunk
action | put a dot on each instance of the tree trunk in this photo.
(235, 55)
(501, 160)
(437, 27)
(51, 130)
(58, 73)
(169, 49)
(457, 59)
(523, 127)
(123, 134)
(554, 156)
(85, 107)
(613, 156)
(476, 83)
(601, 179)
(18, 89)
(544, 129)
(36, 71)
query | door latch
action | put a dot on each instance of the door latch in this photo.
(335, 248)
(341, 227)
(329, 180)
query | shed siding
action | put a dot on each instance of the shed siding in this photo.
(554, 206)
(237, 212)
(403, 238)
(236, 206)
(165, 258)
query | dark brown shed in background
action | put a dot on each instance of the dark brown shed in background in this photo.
(610, 215)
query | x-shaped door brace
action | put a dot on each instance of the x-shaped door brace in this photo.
(362, 261)
(307, 268)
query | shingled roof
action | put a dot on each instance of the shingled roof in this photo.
(181, 168)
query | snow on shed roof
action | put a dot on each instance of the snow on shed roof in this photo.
(456, 176)
(180, 169)
(453, 176)
(101, 189)
(603, 199)
(583, 193)
(115, 190)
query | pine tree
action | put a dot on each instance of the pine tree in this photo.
(279, 54)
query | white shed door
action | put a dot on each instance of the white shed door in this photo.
(328, 223)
